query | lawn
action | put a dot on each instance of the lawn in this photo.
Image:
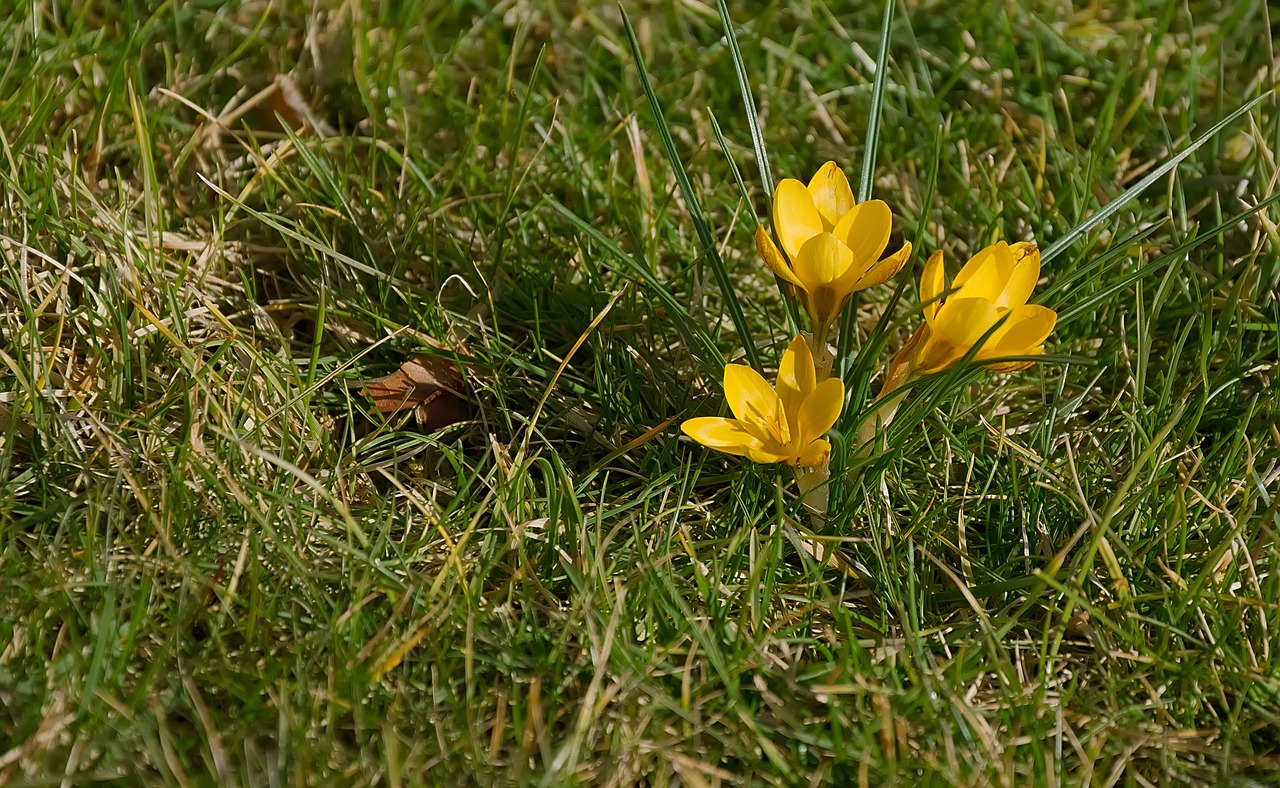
(227, 558)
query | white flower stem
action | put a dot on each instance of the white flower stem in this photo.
(874, 424)
(823, 359)
(813, 484)
(901, 371)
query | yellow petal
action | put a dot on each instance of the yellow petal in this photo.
(1026, 327)
(726, 435)
(753, 402)
(814, 454)
(933, 283)
(959, 324)
(987, 274)
(884, 270)
(822, 261)
(820, 410)
(963, 321)
(1015, 366)
(865, 230)
(795, 219)
(823, 304)
(822, 265)
(772, 257)
(769, 455)
(831, 194)
(796, 379)
(1023, 277)
(935, 356)
(1030, 324)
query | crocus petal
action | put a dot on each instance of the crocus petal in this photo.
(991, 290)
(884, 270)
(865, 230)
(986, 273)
(1026, 327)
(1015, 366)
(772, 257)
(795, 218)
(796, 379)
(726, 435)
(814, 454)
(933, 283)
(936, 356)
(822, 260)
(963, 321)
(1023, 277)
(753, 402)
(821, 265)
(768, 455)
(959, 324)
(831, 194)
(820, 410)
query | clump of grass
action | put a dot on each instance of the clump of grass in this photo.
(217, 565)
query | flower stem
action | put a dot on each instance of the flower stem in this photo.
(887, 402)
(822, 358)
(874, 424)
(813, 484)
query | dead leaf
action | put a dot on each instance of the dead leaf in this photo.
(286, 103)
(430, 386)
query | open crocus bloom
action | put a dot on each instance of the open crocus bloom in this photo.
(993, 286)
(782, 425)
(833, 245)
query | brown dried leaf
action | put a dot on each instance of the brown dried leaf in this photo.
(430, 386)
(286, 103)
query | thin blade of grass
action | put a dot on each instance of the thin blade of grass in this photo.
(872, 142)
(858, 388)
(849, 318)
(640, 273)
(857, 370)
(1087, 305)
(733, 165)
(731, 303)
(748, 101)
(1083, 273)
(793, 312)
(1110, 209)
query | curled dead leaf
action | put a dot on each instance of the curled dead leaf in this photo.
(286, 104)
(430, 386)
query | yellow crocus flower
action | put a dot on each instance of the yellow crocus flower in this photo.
(833, 245)
(782, 425)
(993, 286)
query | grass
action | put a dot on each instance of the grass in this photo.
(219, 566)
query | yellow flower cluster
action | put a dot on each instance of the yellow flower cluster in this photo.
(832, 247)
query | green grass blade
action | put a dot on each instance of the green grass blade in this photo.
(849, 318)
(731, 302)
(733, 165)
(757, 143)
(748, 101)
(793, 311)
(1095, 265)
(640, 273)
(862, 366)
(1110, 209)
(1123, 283)
(872, 142)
